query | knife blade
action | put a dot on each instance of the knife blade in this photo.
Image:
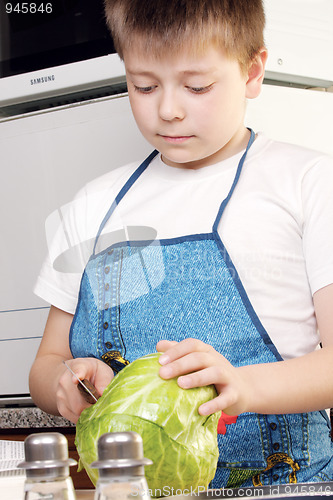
(86, 388)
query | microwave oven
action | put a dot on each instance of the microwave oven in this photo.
(55, 53)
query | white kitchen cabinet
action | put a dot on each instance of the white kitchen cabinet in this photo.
(299, 38)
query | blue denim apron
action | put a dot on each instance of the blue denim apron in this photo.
(135, 293)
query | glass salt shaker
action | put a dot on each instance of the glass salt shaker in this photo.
(121, 467)
(47, 467)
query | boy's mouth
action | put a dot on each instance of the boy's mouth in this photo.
(176, 139)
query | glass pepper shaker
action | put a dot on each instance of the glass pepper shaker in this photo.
(47, 467)
(121, 467)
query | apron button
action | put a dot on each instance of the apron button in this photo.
(276, 446)
(273, 426)
(107, 269)
(105, 325)
(108, 345)
(106, 306)
(107, 286)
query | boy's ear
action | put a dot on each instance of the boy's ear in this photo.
(256, 74)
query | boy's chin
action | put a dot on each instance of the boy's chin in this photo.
(188, 163)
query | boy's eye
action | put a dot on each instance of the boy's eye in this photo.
(200, 90)
(144, 90)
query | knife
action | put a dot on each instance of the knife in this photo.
(87, 389)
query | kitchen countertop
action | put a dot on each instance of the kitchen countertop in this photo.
(26, 418)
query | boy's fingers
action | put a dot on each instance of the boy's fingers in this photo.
(195, 363)
(202, 377)
(186, 364)
(180, 349)
(70, 403)
(79, 368)
(163, 345)
(214, 405)
(227, 401)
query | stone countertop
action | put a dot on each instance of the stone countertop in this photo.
(30, 417)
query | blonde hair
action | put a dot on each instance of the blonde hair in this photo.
(161, 27)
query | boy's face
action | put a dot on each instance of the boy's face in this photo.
(190, 108)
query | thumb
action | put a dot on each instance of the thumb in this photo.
(103, 377)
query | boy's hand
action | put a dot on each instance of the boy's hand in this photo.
(70, 401)
(197, 364)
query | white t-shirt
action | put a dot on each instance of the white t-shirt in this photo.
(277, 228)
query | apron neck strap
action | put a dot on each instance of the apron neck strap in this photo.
(136, 174)
(238, 172)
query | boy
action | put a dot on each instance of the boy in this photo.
(239, 277)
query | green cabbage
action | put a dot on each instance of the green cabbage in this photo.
(181, 443)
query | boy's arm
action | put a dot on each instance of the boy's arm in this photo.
(48, 365)
(52, 386)
(323, 303)
(296, 385)
(307, 380)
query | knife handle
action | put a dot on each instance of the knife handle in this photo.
(86, 394)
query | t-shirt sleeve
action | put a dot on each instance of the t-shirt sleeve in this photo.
(317, 199)
(71, 232)
(69, 247)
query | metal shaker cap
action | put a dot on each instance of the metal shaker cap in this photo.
(121, 450)
(46, 454)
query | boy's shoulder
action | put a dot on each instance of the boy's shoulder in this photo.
(109, 183)
(284, 153)
(112, 178)
(96, 195)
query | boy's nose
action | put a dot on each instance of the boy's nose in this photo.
(170, 107)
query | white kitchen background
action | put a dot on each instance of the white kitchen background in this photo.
(47, 156)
